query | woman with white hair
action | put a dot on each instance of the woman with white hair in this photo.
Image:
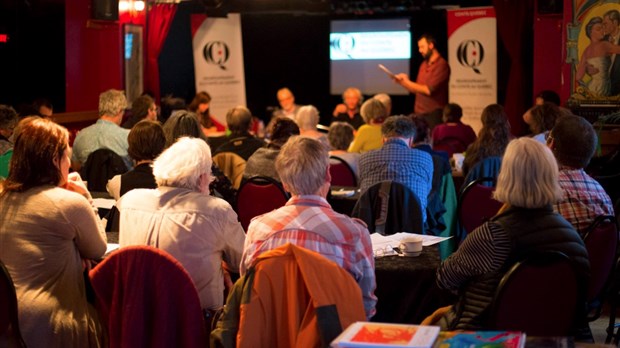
(369, 136)
(307, 119)
(180, 217)
(526, 224)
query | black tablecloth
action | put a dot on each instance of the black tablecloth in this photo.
(406, 287)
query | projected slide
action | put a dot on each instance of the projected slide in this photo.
(358, 46)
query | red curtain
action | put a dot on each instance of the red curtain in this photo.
(158, 23)
(515, 26)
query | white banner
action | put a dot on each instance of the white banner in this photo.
(472, 55)
(218, 63)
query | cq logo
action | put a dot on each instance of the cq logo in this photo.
(471, 54)
(344, 43)
(216, 52)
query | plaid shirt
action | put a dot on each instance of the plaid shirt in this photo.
(308, 221)
(583, 199)
(396, 161)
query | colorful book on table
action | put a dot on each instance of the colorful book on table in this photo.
(480, 339)
(366, 334)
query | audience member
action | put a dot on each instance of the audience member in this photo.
(526, 224)
(368, 136)
(340, 136)
(200, 231)
(573, 142)
(548, 96)
(48, 229)
(262, 162)
(385, 99)
(492, 139)
(8, 121)
(240, 141)
(142, 108)
(540, 119)
(397, 161)
(43, 107)
(349, 110)
(106, 133)
(200, 106)
(308, 221)
(146, 141)
(169, 104)
(307, 120)
(452, 131)
(288, 108)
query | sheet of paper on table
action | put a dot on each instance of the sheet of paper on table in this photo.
(380, 242)
(103, 203)
(111, 247)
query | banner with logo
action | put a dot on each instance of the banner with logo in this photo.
(472, 55)
(218, 62)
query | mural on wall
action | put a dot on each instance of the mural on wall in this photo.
(593, 48)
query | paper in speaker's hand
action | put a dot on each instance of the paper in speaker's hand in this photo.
(387, 71)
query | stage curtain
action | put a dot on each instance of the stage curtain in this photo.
(158, 23)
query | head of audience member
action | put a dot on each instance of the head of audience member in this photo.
(185, 164)
(41, 155)
(340, 135)
(573, 141)
(286, 99)
(426, 46)
(200, 106)
(112, 105)
(146, 141)
(549, 97)
(528, 177)
(170, 104)
(542, 118)
(422, 133)
(352, 98)
(452, 113)
(144, 107)
(282, 128)
(303, 166)
(8, 120)
(182, 123)
(495, 126)
(398, 127)
(307, 117)
(385, 99)
(43, 107)
(373, 111)
(239, 120)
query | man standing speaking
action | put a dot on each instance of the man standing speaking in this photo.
(431, 85)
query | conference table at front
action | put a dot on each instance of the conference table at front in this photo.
(406, 287)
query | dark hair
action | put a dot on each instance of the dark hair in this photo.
(38, 103)
(574, 141)
(204, 117)
(452, 112)
(493, 137)
(140, 106)
(146, 140)
(340, 135)
(549, 96)
(282, 129)
(544, 117)
(170, 104)
(39, 143)
(421, 128)
(429, 38)
(398, 126)
(591, 23)
(8, 117)
(182, 123)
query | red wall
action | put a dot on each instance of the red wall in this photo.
(548, 53)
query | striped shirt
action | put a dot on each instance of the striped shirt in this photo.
(308, 221)
(485, 250)
(583, 199)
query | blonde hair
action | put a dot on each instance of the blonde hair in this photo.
(112, 102)
(373, 110)
(528, 177)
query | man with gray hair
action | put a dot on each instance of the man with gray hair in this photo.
(106, 133)
(240, 141)
(573, 142)
(397, 161)
(308, 221)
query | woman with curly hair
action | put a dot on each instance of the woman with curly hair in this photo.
(492, 139)
(540, 119)
(200, 106)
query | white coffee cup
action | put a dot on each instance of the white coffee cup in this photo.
(458, 159)
(411, 246)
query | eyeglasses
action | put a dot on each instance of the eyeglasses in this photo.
(548, 137)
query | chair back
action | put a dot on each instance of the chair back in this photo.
(539, 295)
(341, 172)
(9, 324)
(232, 165)
(101, 165)
(476, 204)
(259, 195)
(486, 168)
(601, 241)
(147, 299)
(451, 145)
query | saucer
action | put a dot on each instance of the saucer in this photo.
(406, 254)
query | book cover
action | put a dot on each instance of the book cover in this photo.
(367, 334)
(480, 339)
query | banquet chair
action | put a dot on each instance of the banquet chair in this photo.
(259, 195)
(232, 165)
(486, 168)
(145, 298)
(10, 335)
(476, 205)
(539, 295)
(341, 172)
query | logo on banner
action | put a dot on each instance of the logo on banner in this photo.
(217, 53)
(471, 54)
